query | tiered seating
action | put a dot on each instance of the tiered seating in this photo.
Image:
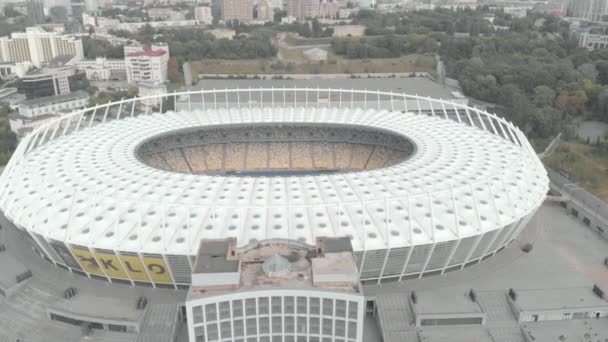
(343, 153)
(378, 157)
(361, 154)
(235, 156)
(273, 148)
(214, 156)
(196, 158)
(257, 156)
(301, 157)
(155, 160)
(279, 155)
(176, 160)
(323, 155)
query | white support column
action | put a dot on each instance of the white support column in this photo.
(428, 259)
(105, 113)
(92, 116)
(133, 108)
(122, 101)
(428, 100)
(481, 120)
(409, 254)
(445, 112)
(457, 232)
(455, 111)
(203, 99)
(491, 121)
(57, 124)
(466, 109)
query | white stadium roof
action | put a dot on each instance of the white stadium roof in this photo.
(88, 187)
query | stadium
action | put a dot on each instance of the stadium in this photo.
(124, 192)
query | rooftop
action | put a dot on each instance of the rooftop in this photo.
(445, 301)
(148, 51)
(274, 264)
(408, 85)
(558, 298)
(213, 257)
(42, 101)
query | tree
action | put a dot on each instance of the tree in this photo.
(588, 71)
(602, 72)
(571, 103)
(10, 12)
(173, 70)
(58, 14)
(317, 30)
(602, 105)
(543, 96)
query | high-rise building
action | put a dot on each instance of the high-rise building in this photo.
(241, 10)
(38, 46)
(203, 14)
(78, 7)
(216, 9)
(35, 12)
(146, 63)
(592, 10)
(265, 10)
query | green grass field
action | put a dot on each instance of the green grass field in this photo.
(586, 163)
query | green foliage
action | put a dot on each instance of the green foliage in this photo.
(307, 30)
(94, 48)
(537, 76)
(196, 44)
(58, 14)
(426, 21)
(110, 96)
(385, 46)
(10, 12)
(8, 140)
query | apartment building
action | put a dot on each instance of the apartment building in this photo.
(38, 46)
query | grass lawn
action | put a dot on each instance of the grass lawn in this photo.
(586, 163)
(335, 65)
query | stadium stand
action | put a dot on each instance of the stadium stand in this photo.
(264, 149)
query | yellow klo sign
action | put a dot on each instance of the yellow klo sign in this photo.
(110, 264)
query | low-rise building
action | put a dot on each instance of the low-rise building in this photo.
(47, 82)
(557, 304)
(349, 31)
(591, 41)
(151, 89)
(35, 112)
(275, 288)
(315, 54)
(103, 69)
(203, 15)
(147, 63)
(11, 70)
(166, 14)
(220, 33)
(346, 13)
